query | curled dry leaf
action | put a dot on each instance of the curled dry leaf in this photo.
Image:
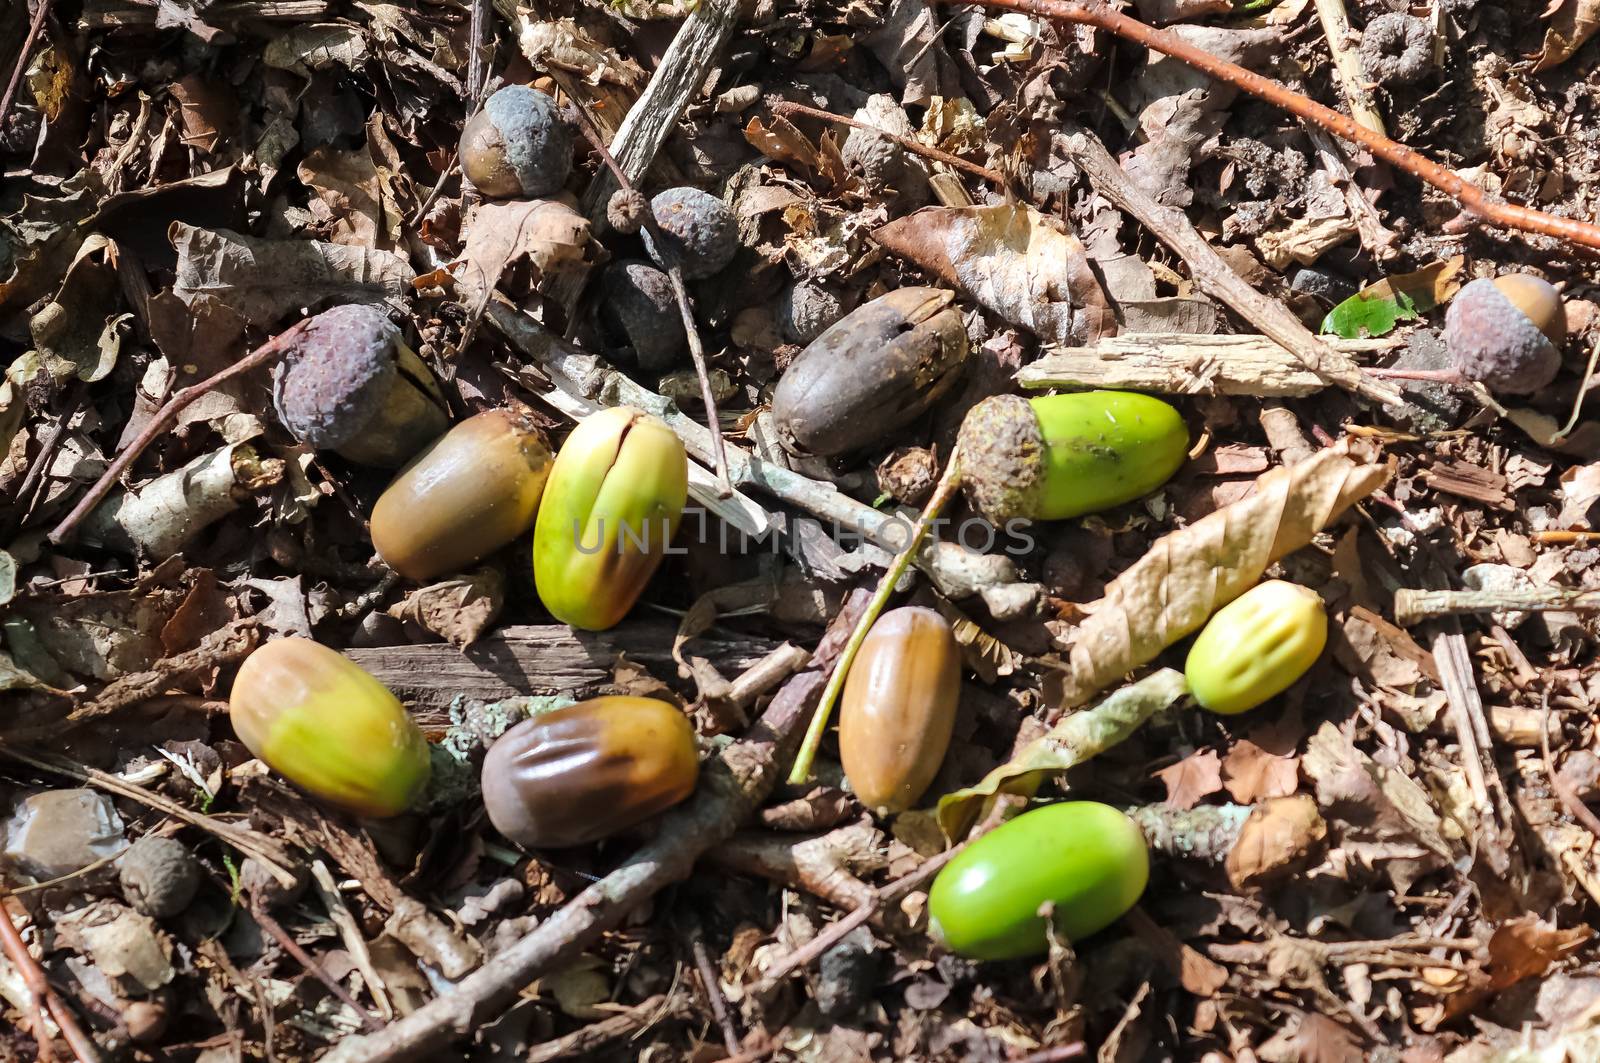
(1196, 776)
(1072, 741)
(1276, 837)
(1015, 261)
(1189, 574)
(458, 610)
(1573, 23)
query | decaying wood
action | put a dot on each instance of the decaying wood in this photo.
(1189, 574)
(1212, 275)
(1415, 606)
(1182, 364)
(540, 659)
(1495, 835)
(730, 789)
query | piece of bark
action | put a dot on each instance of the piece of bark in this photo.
(1183, 364)
(539, 659)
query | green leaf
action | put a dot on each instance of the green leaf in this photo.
(1362, 315)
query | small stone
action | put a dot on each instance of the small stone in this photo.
(159, 876)
(847, 974)
(805, 310)
(1432, 407)
(57, 832)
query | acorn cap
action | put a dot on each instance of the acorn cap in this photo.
(1002, 457)
(1505, 333)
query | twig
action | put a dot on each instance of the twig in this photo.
(1465, 704)
(41, 996)
(730, 789)
(942, 493)
(475, 31)
(1213, 275)
(227, 645)
(1569, 799)
(1347, 64)
(39, 15)
(1415, 606)
(839, 929)
(1575, 535)
(1583, 392)
(581, 1044)
(1058, 1054)
(713, 991)
(258, 911)
(994, 177)
(41, 461)
(1472, 198)
(719, 450)
(262, 355)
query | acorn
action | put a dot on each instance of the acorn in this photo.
(322, 722)
(1256, 647)
(351, 384)
(473, 491)
(1060, 456)
(1088, 861)
(615, 496)
(1507, 333)
(639, 309)
(585, 772)
(876, 369)
(899, 707)
(699, 230)
(517, 145)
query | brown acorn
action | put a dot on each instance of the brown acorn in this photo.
(584, 772)
(473, 491)
(899, 706)
(1507, 333)
(517, 145)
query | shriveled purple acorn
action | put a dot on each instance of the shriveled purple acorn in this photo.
(638, 308)
(1507, 333)
(517, 145)
(699, 230)
(351, 384)
(587, 771)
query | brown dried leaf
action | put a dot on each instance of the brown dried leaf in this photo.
(550, 234)
(1017, 262)
(1277, 836)
(458, 610)
(1573, 23)
(1189, 574)
(1192, 778)
(781, 141)
(1253, 774)
(1522, 948)
(353, 204)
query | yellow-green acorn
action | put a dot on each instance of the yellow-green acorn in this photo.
(474, 490)
(322, 722)
(1256, 646)
(610, 509)
(1088, 861)
(586, 771)
(1061, 456)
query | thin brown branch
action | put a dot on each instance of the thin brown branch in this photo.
(680, 291)
(1472, 198)
(264, 918)
(40, 13)
(1415, 606)
(262, 355)
(730, 789)
(994, 177)
(41, 996)
(1558, 782)
(713, 990)
(582, 1043)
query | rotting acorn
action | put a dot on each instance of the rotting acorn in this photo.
(699, 231)
(899, 707)
(351, 384)
(517, 145)
(325, 724)
(1059, 456)
(638, 308)
(876, 369)
(1256, 646)
(1507, 333)
(612, 504)
(1087, 860)
(584, 772)
(473, 491)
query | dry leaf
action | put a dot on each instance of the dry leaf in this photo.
(353, 204)
(1073, 740)
(1192, 778)
(1573, 23)
(1522, 948)
(781, 141)
(1433, 285)
(1190, 573)
(1276, 837)
(552, 235)
(458, 610)
(1253, 774)
(1015, 261)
